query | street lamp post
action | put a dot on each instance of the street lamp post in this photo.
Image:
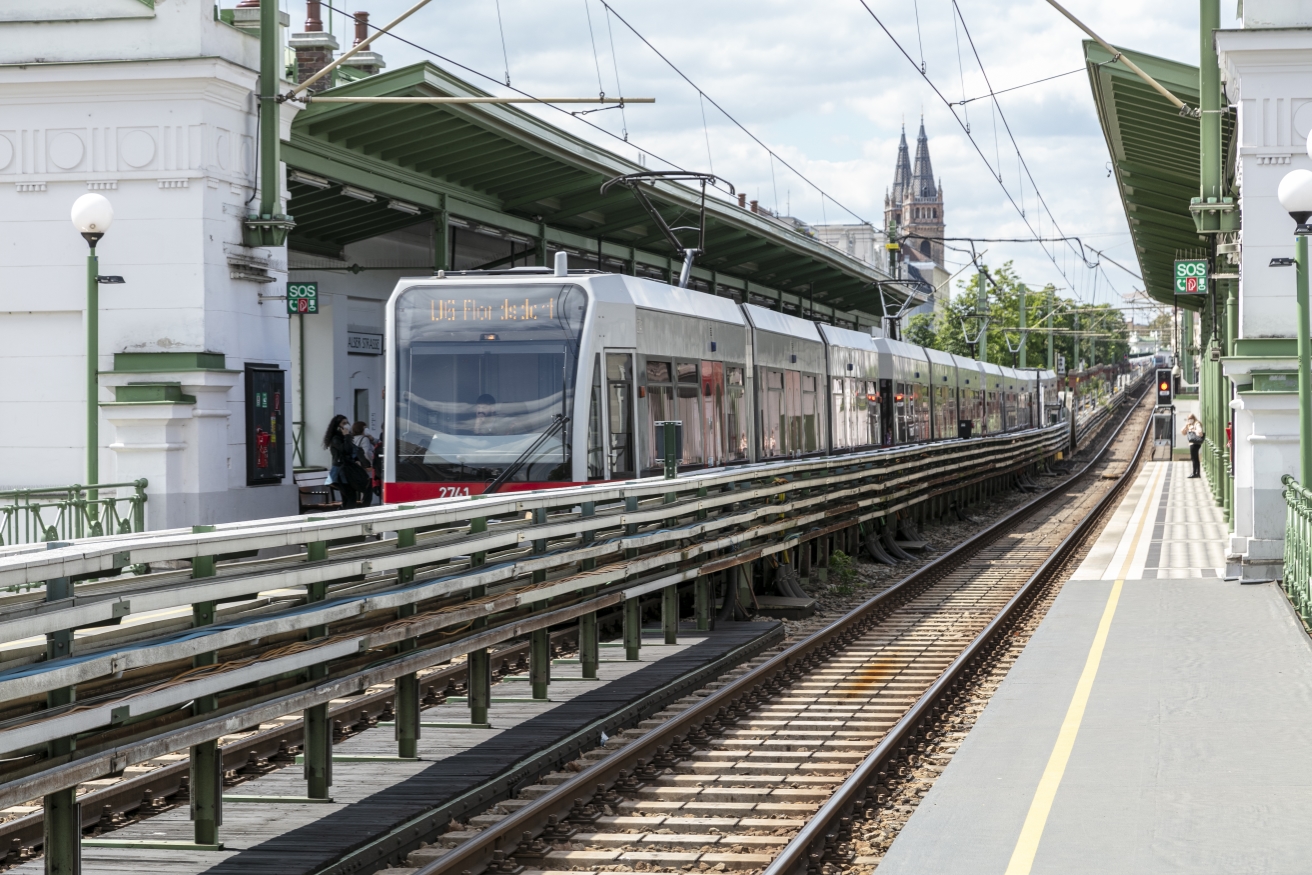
(1295, 195)
(92, 215)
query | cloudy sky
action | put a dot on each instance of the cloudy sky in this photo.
(828, 91)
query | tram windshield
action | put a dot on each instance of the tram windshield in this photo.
(483, 372)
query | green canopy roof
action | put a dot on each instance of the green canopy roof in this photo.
(1154, 154)
(499, 166)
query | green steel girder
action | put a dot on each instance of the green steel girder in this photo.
(518, 198)
(451, 164)
(409, 149)
(509, 171)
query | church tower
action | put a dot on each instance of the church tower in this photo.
(916, 203)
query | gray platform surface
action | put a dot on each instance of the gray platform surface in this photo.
(1191, 755)
(371, 798)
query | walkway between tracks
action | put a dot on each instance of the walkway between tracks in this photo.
(372, 797)
(1158, 720)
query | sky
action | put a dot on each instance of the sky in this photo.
(827, 91)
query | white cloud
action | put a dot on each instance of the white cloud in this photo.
(823, 85)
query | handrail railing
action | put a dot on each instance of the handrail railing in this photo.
(1298, 547)
(60, 513)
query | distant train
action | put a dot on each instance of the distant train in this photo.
(547, 380)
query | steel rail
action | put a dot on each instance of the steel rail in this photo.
(796, 856)
(476, 854)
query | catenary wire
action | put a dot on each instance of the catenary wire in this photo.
(726, 114)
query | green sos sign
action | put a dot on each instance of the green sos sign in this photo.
(303, 298)
(1191, 276)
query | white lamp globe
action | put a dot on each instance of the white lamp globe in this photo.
(1295, 194)
(93, 214)
(1309, 145)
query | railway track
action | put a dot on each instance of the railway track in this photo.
(811, 759)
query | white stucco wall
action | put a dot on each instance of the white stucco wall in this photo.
(156, 112)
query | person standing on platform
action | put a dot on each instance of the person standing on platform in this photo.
(364, 454)
(1193, 433)
(347, 474)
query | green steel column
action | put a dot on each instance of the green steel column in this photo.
(442, 238)
(63, 832)
(270, 139)
(318, 752)
(702, 599)
(589, 642)
(632, 629)
(1304, 368)
(1187, 360)
(589, 646)
(93, 368)
(1209, 101)
(407, 685)
(206, 761)
(670, 613)
(63, 820)
(478, 676)
(539, 662)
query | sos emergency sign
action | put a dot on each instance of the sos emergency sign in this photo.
(302, 297)
(1191, 276)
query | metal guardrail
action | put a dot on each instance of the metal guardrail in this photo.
(517, 563)
(1298, 547)
(29, 516)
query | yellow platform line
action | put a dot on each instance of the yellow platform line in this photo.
(1027, 845)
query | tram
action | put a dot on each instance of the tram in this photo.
(533, 378)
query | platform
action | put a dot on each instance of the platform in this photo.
(372, 797)
(1157, 722)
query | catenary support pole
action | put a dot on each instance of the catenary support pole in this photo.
(632, 629)
(318, 747)
(93, 368)
(539, 662)
(63, 818)
(206, 761)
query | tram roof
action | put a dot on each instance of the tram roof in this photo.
(1154, 153)
(499, 167)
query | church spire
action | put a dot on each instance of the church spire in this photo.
(902, 173)
(922, 176)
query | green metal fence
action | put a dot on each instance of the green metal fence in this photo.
(29, 516)
(1298, 547)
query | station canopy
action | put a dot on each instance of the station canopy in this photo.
(1154, 153)
(392, 165)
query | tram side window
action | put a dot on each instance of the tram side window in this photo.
(713, 411)
(660, 407)
(792, 430)
(619, 387)
(810, 415)
(736, 418)
(773, 423)
(694, 452)
(596, 451)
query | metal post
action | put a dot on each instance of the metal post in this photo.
(300, 379)
(407, 694)
(63, 819)
(1052, 361)
(632, 629)
(318, 752)
(1304, 369)
(671, 450)
(589, 641)
(1186, 358)
(442, 239)
(589, 646)
(479, 683)
(206, 762)
(478, 675)
(982, 309)
(702, 599)
(93, 368)
(539, 662)
(670, 613)
(270, 133)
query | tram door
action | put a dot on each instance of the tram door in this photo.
(620, 424)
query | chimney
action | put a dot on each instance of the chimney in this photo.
(246, 15)
(754, 207)
(367, 62)
(742, 200)
(314, 48)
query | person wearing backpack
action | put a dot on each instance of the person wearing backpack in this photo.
(1194, 434)
(364, 454)
(346, 473)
